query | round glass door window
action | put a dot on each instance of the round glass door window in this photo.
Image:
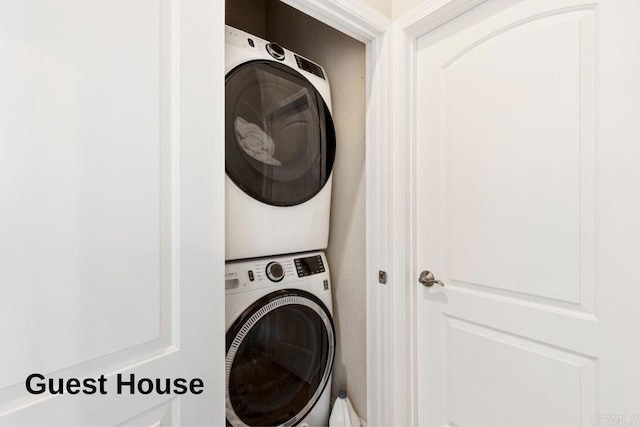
(279, 358)
(280, 139)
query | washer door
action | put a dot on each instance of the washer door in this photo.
(280, 139)
(279, 358)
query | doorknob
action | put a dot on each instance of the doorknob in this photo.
(427, 279)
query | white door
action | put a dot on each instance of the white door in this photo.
(111, 231)
(528, 209)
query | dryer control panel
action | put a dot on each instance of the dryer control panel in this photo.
(245, 40)
(309, 67)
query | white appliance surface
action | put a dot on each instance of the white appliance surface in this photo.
(254, 228)
(242, 292)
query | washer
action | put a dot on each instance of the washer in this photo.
(280, 341)
(280, 148)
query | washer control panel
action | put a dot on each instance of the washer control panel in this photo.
(309, 265)
(283, 271)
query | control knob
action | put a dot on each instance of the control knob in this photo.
(276, 51)
(274, 271)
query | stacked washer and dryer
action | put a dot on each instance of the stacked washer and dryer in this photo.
(280, 149)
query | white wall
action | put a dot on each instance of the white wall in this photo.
(400, 7)
(344, 61)
(247, 15)
(382, 6)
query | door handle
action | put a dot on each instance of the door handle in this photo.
(427, 279)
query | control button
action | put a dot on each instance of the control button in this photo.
(276, 51)
(251, 278)
(250, 42)
(274, 271)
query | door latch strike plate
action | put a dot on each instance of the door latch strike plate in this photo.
(382, 277)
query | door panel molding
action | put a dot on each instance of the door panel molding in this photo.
(161, 338)
(549, 14)
(539, 360)
(582, 299)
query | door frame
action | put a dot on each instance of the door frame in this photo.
(360, 21)
(400, 331)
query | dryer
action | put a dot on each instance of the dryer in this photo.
(280, 147)
(280, 341)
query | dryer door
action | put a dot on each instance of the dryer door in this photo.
(280, 139)
(280, 353)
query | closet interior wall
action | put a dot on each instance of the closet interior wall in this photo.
(343, 58)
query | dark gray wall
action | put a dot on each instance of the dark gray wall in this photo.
(247, 15)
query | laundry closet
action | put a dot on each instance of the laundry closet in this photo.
(342, 58)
